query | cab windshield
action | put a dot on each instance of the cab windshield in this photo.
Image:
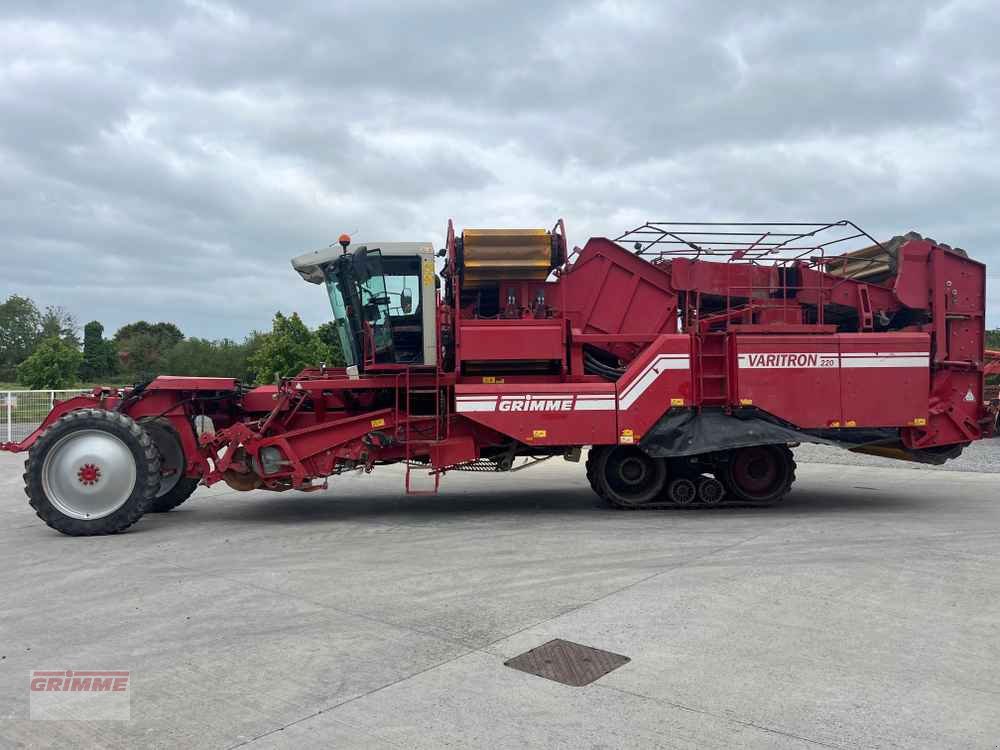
(340, 319)
(377, 308)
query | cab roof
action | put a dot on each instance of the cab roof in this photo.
(310, 265)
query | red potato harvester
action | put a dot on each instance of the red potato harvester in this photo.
(689, 357)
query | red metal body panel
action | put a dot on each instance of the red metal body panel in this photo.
(182, 383)
(885, 379)
(791, 377)
(524, 339)
(260, 399)
(658, 380)
(644, 302)
(588, 413)
(844, 380)
(544, 414)
(956, 413)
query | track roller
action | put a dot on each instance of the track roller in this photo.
(682, 492)
(710, 491)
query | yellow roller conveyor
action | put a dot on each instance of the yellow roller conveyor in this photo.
(491, 254)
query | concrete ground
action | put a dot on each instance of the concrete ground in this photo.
(863, 612)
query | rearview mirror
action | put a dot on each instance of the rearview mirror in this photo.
(406, 300)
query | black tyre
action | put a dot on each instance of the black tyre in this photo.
(759, 475)
(174, 487)
(92, 472)
(593, 459)
(626, 476)
(175, 496)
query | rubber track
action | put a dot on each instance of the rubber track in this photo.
(670, 505)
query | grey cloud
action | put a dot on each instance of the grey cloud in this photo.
(163, 160)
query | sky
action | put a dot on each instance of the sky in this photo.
(164, 161)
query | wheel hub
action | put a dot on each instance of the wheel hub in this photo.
(632, 471)
(630, 477)
(755, 469)
(89, 474)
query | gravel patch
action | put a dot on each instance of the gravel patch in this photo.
(982, 456)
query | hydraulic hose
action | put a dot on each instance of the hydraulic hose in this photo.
(592, 365)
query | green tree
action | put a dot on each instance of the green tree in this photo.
(53, 364)
(327, 333)
(224, 358)
(20, 327)
(142, 347)
(99, 356)
(168, 332)
(289, 348)
(57, 322)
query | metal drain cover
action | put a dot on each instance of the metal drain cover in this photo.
(567, 662)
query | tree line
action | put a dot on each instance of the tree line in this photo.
(42, 349)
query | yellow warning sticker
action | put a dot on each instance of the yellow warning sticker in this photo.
(490, 380)
(539, 433)
(428, 271)
(919, 422)
(746, 402)
(378, 423)
(627, 437)
(677, 402)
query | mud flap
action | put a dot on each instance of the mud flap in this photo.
(685, 432)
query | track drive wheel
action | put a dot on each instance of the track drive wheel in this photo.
(626, 476)
(92, 472)
(174, 487)
(759, 475)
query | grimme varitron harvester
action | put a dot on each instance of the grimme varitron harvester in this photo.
(689, 357)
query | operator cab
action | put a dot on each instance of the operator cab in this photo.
(383, 298)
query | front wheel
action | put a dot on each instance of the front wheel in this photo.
(92, 472)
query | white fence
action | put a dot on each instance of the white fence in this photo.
(22, 411)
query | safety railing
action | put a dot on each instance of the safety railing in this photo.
(759, 242)
(21, 412)
(782, 247)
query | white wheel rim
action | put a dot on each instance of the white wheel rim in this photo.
(88, 474)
